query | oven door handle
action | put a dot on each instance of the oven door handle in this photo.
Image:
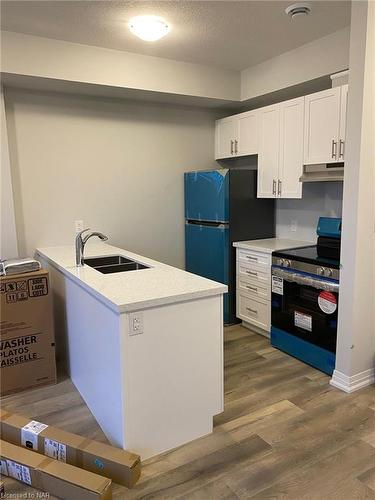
(302, 279)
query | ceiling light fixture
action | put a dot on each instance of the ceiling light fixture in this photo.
(149, 28)
(298, 9)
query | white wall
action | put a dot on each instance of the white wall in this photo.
(8, 235)
(117, 165)
(72, 62)
(320, 199)
(356, 341)
(321, 57)
(60, 61)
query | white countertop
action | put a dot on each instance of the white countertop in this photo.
(270, 245)
(131, 290)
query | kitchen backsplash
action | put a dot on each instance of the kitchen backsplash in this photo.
(297, 219)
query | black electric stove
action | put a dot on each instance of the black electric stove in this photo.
(308, 254)
(305, 295)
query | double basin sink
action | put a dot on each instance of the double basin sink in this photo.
(113, 264)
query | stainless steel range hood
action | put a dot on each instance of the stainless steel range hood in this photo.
(323, 172)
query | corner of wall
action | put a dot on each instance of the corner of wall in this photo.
(321, 57)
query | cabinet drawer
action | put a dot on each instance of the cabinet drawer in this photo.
(253, 288)
(254, 311)
(257, 258)
(261, 276)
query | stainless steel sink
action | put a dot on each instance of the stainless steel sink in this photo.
(108, 260)
(113, 264)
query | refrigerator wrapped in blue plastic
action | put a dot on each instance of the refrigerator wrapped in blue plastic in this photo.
(221, 206)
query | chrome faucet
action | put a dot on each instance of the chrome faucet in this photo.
(81, 242)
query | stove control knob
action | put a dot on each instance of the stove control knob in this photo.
(328, 273)
(287, 263)
(320, 271)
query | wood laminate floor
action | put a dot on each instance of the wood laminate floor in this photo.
(285, 433)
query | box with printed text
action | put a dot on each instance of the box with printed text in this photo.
(55, 478)
(27, 353)
(122, 466)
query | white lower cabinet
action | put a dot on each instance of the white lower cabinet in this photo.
(255, 311)
(254, 289)
(258, 259)
(254, 272)
(253, 280)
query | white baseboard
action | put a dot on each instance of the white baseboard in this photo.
(354, 382)
(256, 329)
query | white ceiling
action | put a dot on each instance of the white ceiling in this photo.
(229, 34)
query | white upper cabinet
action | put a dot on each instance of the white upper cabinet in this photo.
(291, 148)
(226, 133)
(268, 158)
(281, 150)
(237, 135)
(248, 133)
(285, 136)
(324, 130)
(342, 133)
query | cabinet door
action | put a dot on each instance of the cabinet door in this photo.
(291, 148)
(248, 133)
(225, 134)
(268, 158)
(255, 311)
(322, 121)
(342, 134)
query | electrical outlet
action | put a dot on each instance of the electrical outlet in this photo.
(78, 224)
(136, 323)
(293, 225)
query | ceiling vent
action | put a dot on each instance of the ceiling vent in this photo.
(298, 9)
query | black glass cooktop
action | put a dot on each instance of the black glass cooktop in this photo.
(307, 254)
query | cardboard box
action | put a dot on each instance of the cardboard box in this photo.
(56, 478)
(27, 353)
(121, 466)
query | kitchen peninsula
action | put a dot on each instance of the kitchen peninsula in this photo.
(144, 347)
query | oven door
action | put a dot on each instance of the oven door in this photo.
(305, 306)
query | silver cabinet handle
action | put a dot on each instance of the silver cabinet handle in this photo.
(251, 310)
(274, 187)
(251, 288)
(235, 146)
(252, 258)
(251, 273)
(279, 187)
(341, 149)
(334, 149)
(231, 147)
